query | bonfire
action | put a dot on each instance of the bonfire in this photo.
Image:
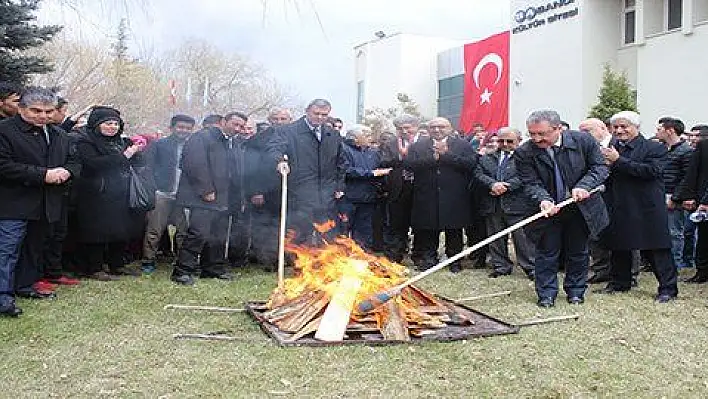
(330, 280)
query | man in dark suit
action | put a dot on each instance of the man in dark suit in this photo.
(442, 166)
(637, 207)
(316, 181)
(504, 204)
(35, 165)
(206, 188)
(553, 165)
(398, 187)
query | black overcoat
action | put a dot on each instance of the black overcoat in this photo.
(102, 212)
(24, 160)
(441, 196)
(514, 201)
(635, 197)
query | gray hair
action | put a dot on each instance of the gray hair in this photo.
(35, 94)
(406, 119)
(507, 129)
(319, 103)
(357, 130)
(629, 116)
(544, 115)
(279, 110)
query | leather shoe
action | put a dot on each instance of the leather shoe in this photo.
(546, 302)
(222, 276)
(664, 298)
(496, 274)
(697, 279)
(576, 300)
(10, 311)
(609, 290)
(184, 279)
(455, 268)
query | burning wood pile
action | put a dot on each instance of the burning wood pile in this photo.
(331, 280)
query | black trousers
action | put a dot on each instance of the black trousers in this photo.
(240, 238)
(661, 263)
(95, 255)
(54, 244)
(206, 234)
(29, 266)
(397, 224)
(702, 249)
(475, 233)
(265, 227)
(427, 243)
(600, 258)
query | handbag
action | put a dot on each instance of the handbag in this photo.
(140, 197)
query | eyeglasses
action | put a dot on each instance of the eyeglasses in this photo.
(508, 141)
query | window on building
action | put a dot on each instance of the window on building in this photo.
(630, 18)
(360, 101)
(674, 14)
(700, 11)
(450, 97)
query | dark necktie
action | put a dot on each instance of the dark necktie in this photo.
(502, 165)
(557, 176)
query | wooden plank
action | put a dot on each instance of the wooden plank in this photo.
(394, 325)
(311, 327)
(336, 316)
(305, 314)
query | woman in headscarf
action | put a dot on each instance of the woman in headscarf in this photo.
(105, 221)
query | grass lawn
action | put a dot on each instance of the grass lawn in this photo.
(115, 340)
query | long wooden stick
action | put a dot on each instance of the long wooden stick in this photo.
(207, 337)
(283, 214)
(378, 299)
(205, 308)
(474, 298)
(548, 320)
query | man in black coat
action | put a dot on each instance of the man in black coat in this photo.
(637, 207)
(262, 191)
(316, 180)
(208, 168)
(553, 166)
(505, 204)
(9, 99)
(398, 187)
(442, 167)
(694, 194)
(163, 158)
(35, 164)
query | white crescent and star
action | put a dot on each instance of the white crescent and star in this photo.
(490, 58)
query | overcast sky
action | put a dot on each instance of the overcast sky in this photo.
(313, 58)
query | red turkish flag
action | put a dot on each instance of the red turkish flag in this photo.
(486, 87)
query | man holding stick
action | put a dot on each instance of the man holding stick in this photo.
(552, 166)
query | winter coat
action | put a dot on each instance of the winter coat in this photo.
(695, 185)
(514, 201)
(207, 167)
(635, 197)
(676, 166)
(315, 173)
(582, 166)
(163, 157)
(25, 158)
(441, 196)
(359, 164)
(260, 176)
(103, 213)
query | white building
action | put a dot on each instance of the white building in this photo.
(558, 49)
(398, 63)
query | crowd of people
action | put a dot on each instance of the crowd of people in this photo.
(79, 198)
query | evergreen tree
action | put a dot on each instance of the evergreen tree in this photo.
(18, 32)
(615, 95)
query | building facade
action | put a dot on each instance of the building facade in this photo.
(557, 52)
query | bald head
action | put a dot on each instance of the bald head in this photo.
(596, 128)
